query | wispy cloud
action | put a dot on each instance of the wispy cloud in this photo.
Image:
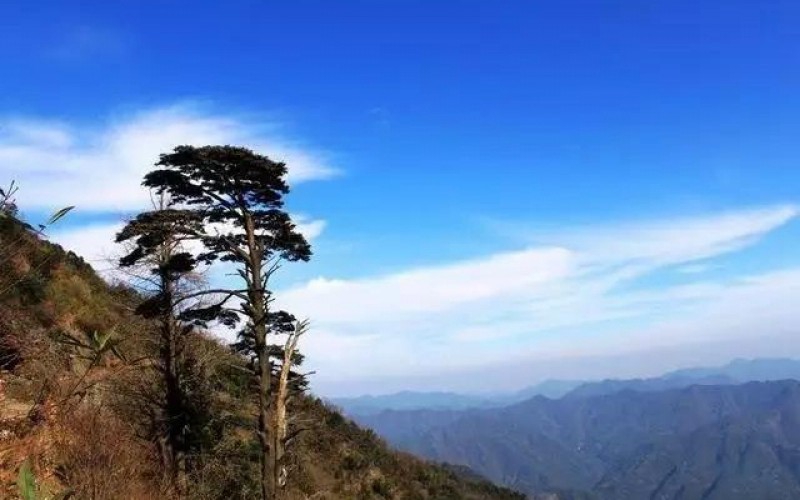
(100, 166)
(431, 290)
(530, 302)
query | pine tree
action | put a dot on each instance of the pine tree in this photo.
(159, 251)
(241, 195)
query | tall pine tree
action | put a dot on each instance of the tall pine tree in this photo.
(240, 194)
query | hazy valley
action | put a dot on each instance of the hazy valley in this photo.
(697, 433)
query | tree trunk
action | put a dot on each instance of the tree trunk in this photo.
(259, 316)
(281, 401)
(263, 415)
(174, 404)
(174, 401)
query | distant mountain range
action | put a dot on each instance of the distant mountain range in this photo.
(412, 400)
(409, 400)
(704, 442)
(736, 372)
(699, 433)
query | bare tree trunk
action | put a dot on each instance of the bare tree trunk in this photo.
(280, 421)
(279, 434)
(264, 371)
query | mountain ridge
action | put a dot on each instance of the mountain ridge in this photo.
(736, 371)
(700, 441)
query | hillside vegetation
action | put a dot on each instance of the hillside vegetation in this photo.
(80, 398)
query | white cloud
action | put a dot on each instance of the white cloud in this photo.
(539, 301)
(695, 268)
(429, 290)
(101, 167)
(308, 227)
(685, 239)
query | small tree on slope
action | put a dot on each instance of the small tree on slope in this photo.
(159, 252)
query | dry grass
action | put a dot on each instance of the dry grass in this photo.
(99, 456)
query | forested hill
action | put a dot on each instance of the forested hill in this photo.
(712, 442)
(80, 402)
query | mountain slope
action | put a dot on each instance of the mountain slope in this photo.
(716, 442)
(93, 443)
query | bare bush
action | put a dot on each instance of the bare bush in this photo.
(99, 458)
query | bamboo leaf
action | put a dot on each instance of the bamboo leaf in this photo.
(63, 337)
(59, 214)
(26, 482)
(118, 353)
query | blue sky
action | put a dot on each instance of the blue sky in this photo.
(434, 140)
